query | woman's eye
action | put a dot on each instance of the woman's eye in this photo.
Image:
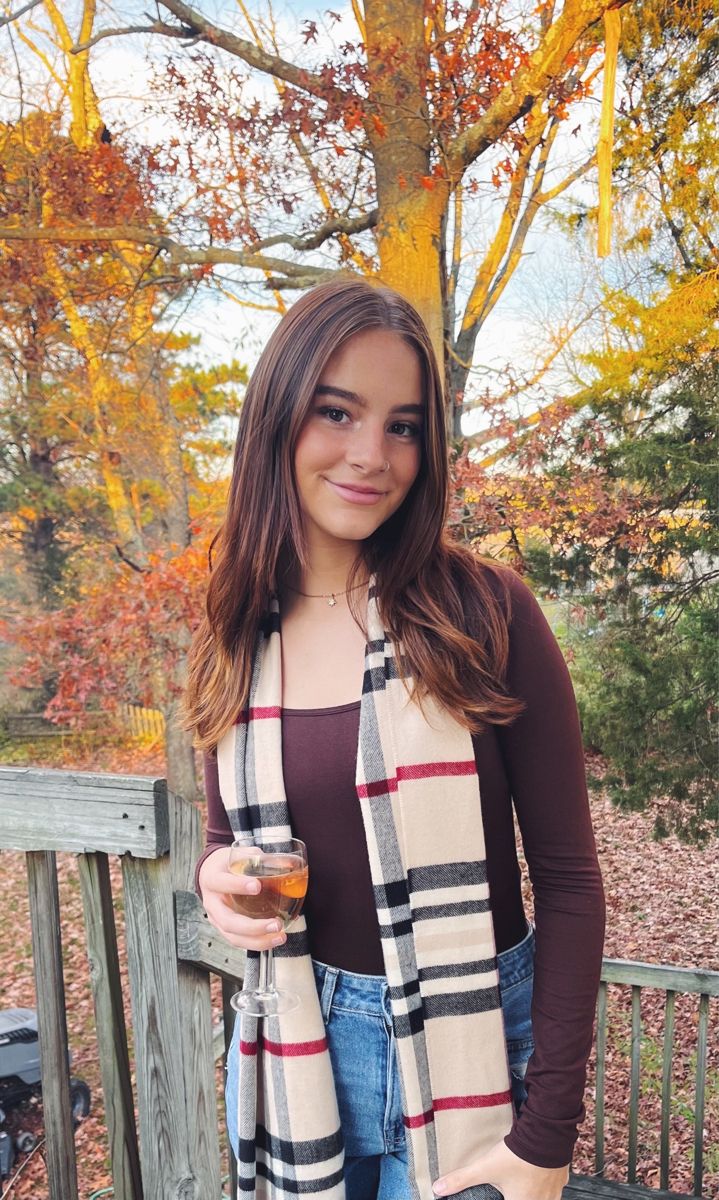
(336, 415)
(405, 429)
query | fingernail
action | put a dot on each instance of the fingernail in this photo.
(439, 1188)
(254, 885)
(279, 940)
(272, 926)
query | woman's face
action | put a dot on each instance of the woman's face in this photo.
(359, 450)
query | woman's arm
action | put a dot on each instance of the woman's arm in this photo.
(218, 831)
(544, 761)
(213, 880)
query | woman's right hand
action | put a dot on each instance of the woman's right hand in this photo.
(215, 881)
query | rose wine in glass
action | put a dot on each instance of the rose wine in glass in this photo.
(281, 867)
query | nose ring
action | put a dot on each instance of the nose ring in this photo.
(386, 466)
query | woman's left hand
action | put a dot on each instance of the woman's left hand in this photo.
(512, 1176)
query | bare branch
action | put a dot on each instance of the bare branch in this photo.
(344, 225)
(305, 277)
(254, 56)
(61, 83)
(20, 13)
(484, 295)
(475, 310)
(135, 566)
(291, 274)
(530, 381)
(304, 151)
(359, 18)
(544, 197)
(176, 31)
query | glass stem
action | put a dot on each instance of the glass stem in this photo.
(267, 971)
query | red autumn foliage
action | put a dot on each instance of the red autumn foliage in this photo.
(105, 648)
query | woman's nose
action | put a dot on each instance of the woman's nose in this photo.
(367, 451)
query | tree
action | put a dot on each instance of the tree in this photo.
(370, 155)
(609, 497)
(114, 396)
(646, 689)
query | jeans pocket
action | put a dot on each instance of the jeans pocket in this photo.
(516, 978)
(517, 1015)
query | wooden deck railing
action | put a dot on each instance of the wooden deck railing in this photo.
(673, 981)
(171, 951)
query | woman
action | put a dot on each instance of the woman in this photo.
(387, 695)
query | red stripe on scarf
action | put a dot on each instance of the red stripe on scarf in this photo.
(492, 1100)
(377, 788)
(294, 1049)
(249, 1048)
(258, 714)
(434, 769)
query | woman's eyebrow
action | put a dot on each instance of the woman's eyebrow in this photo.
(328, 389)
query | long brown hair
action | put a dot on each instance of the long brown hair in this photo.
(448, 608)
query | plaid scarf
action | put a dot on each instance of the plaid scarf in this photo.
(419, 795)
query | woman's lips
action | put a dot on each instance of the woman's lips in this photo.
(355, 495)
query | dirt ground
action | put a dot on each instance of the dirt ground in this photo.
(661, 908)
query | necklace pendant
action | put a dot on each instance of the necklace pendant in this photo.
(331, 600)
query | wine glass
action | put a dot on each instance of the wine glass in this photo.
(281, 867)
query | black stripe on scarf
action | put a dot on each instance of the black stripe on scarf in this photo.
(461, 1004)
(296, 945)
(396, 929)
(453, 970)
(258, 817)
(375, 677)
(392, 895)
(304, 1187)
(405, 990)
(462, 908)
(446, 875)
(300, 1153)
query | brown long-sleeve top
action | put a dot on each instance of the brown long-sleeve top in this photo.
(537, 765)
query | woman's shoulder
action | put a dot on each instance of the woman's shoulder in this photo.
(478, 573)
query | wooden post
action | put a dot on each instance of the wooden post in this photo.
(179, 1143)
(196, 1043)
(149, 931)
(110, 1025)
(52, 1025)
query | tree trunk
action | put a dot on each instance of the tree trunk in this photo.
(411, 201)
(180, 756)
(168, 684)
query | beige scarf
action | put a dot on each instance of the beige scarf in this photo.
(419, 794)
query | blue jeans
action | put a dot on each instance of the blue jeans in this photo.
(357, 1016)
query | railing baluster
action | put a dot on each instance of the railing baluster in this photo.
(700, 1093)
(634, 1084)
(666, 1089)
(601, 1063)
(110, 1025)
(52, 1024)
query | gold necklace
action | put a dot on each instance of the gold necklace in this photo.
(330, 597)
